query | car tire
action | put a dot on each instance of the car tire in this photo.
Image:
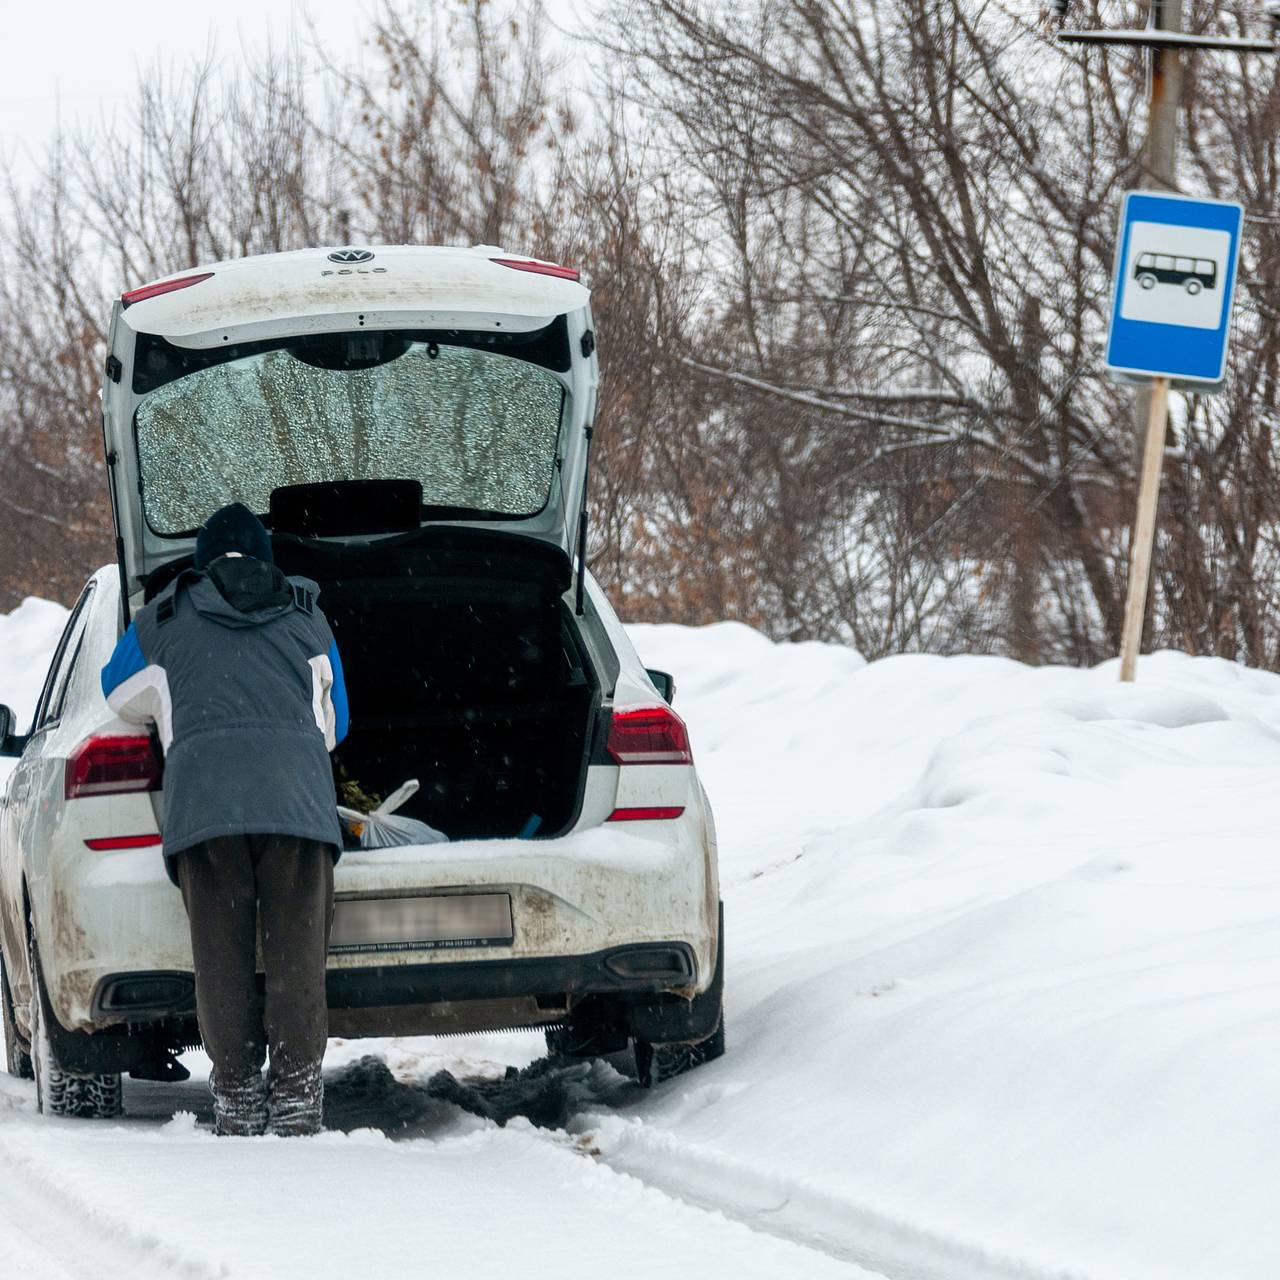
(658, 1062)
(17, 1059)
(1193, 287)
(60, 1092)
(1147, 280)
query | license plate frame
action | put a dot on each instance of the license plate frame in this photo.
(422, 922)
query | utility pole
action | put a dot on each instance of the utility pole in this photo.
(1159, 169)
(1160, 158)
(1166, 42)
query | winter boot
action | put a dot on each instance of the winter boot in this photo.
(295, 1101)
(240, 1106)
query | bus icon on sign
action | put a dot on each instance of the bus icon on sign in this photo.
(1191, 274)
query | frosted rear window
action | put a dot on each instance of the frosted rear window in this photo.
(478, 429)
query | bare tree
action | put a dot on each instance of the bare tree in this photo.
(849, 267)
(205, 167)
(912, 207)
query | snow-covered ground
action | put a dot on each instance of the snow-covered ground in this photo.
(28, 637)
(1003, 985)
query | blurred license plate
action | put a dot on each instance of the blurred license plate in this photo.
(415, 924)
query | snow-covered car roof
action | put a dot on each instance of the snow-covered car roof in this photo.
(378, 286)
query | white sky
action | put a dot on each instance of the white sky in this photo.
(78, 60)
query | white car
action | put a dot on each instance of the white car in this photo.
(413, 424)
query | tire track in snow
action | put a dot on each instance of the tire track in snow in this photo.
(556, 1088)
(47, 1233)
(794, 1210)
(583, 1147)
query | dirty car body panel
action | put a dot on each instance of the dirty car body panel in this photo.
(498, 679)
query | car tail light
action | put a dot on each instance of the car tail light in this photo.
(650, 813)
(105, 843)
(648, 735)
(538, 268)
(143, 292)
(112, 765)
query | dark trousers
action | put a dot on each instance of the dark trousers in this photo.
(233, 885)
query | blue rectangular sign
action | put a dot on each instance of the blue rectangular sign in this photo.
(1175, 280)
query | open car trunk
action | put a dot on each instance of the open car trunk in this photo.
(463, 670)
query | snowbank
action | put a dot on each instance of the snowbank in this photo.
(28, 637)
(1003, 956)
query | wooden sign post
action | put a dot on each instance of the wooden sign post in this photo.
(1144, 529)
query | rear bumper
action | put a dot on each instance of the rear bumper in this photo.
(115, 945)
(381, 1000)
(152, 996)
(654, 967)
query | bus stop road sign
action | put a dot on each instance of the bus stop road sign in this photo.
(1175, 278)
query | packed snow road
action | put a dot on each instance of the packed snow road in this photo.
(1003, 1002)
(156, 1195)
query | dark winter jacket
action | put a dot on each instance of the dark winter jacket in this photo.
(238, 670)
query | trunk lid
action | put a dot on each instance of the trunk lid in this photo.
(359, 394)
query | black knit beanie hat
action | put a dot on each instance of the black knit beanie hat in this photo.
(232, 528)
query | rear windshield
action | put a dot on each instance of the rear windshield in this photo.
(479, 429)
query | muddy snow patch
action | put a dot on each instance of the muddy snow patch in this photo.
(368, 1094)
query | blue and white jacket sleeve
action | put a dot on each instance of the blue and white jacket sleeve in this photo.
(138, 690)
(329, 695)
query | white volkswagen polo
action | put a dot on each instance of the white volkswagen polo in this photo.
(413, 424)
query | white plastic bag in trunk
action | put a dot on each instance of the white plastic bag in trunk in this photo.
(384, 828)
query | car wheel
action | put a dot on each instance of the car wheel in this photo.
(658, 1062)
(17, 1059)
(59, 1092)
(1193, 287)
(1147, 281)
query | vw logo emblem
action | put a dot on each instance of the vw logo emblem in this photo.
(351, 255)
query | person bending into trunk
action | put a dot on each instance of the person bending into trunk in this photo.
(237, 668)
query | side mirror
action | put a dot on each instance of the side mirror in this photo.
(11, 744)
(665, 683)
